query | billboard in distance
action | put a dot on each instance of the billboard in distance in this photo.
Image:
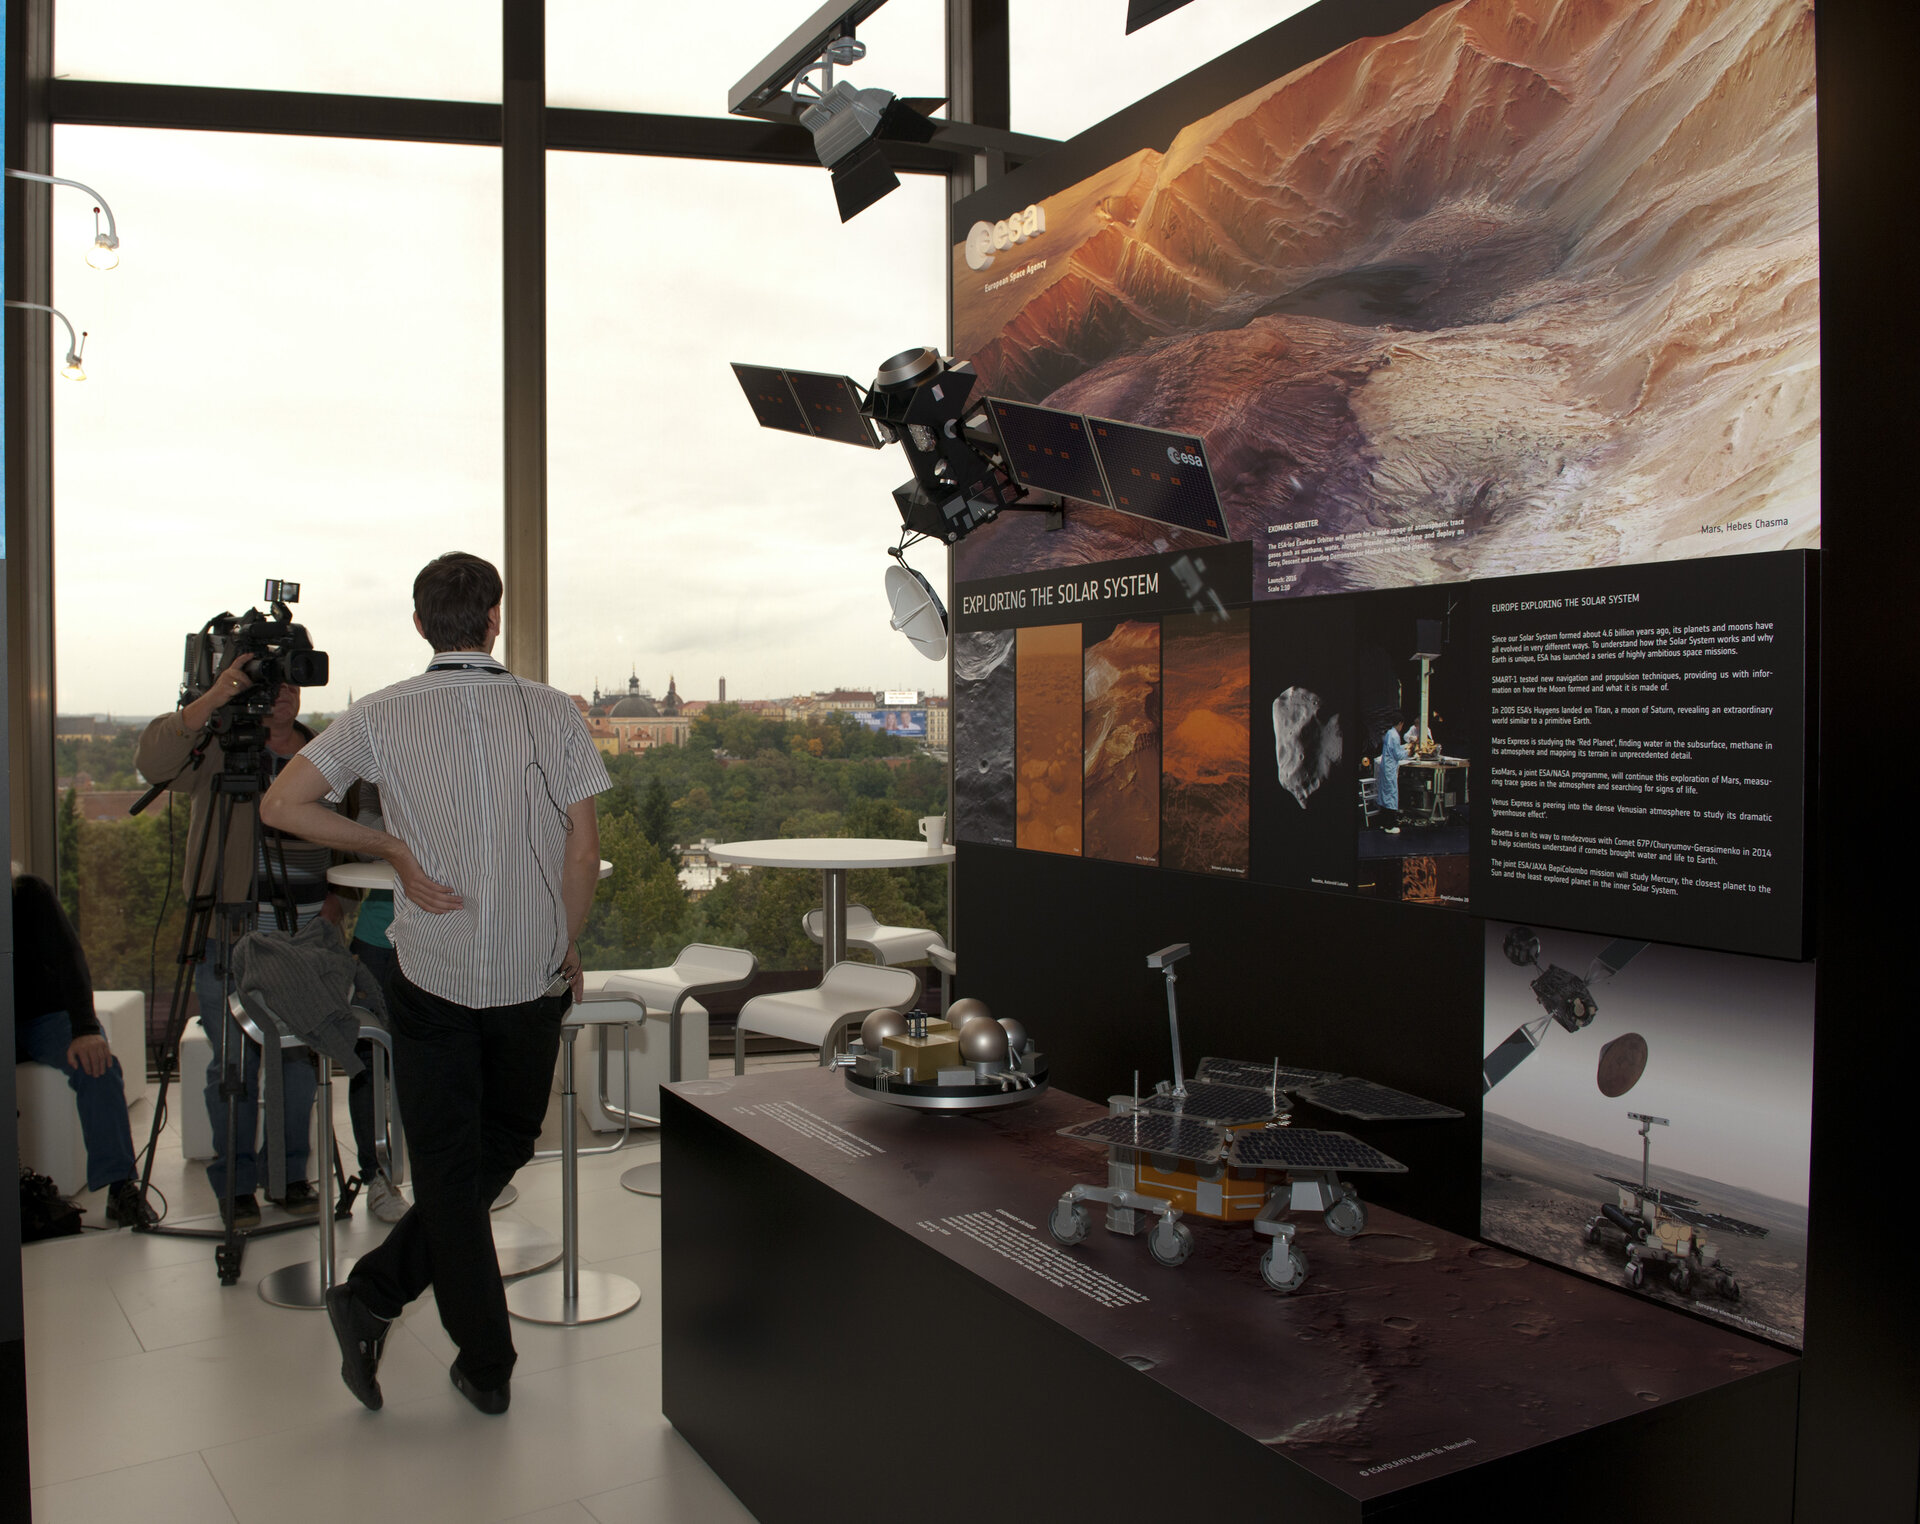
(908, 724)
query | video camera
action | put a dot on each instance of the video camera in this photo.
(276, 650)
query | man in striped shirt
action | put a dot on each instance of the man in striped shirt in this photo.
(488, 786)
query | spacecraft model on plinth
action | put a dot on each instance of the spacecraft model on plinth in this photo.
(1222, 1146)
(967, 1061)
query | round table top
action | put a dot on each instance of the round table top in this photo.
(379, 875)
(832, 852)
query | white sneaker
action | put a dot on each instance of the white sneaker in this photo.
(385, 1201)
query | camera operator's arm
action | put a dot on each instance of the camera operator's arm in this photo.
(579, 877)
(168, 741)
(293, 805)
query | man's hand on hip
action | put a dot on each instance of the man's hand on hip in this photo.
(436, 899)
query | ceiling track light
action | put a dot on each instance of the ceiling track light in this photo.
(70, 367)
(105, 253)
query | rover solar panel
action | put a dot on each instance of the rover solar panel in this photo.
(1240, 1071)
(1650, 1192)
(1713, 1222)
(1367, 1102)
(1307, 1148)
(1159, 475)
(771, 398)
(1220, 1103)
(1152, 1133)
(1048, 450)
(831, 406)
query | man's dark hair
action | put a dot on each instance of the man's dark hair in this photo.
(453, 595)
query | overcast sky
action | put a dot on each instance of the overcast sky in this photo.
(1729, 1062)
(295, 372)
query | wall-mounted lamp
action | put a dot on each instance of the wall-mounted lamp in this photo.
(105, 253)
(70, 368)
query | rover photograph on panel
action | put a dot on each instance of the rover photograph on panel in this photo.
(1647, 1119)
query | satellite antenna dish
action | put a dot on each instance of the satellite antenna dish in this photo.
(917, 611)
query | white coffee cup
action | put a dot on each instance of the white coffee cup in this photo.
(934, 828)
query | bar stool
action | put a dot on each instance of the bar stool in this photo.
(701, 970)
(947, 962)
(576, 1296)
(307, 1284)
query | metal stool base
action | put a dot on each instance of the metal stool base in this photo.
(543, 1300)
(522, 1248)
(509, 1193)
(299, 1285)
(643, 1179)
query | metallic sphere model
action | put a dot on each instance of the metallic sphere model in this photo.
(879, 1026)
(983, 1041)
(1016, 1034)
(963, 1011)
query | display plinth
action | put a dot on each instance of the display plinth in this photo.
(839, 1276)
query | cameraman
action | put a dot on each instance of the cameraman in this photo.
(163, 751)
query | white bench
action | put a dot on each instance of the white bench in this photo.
(49, 1125)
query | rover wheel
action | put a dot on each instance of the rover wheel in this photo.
(1291, 1277)
(1070, 1221)
(1346, 1216)
(1732, 1292)
(1170, 1243)
(1636, 1273)
(1681, 1279)
(1593, 1233)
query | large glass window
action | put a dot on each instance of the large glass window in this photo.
(619, 56)
(689, 547)
(1074, 65)
(431, 49)
(295, 373)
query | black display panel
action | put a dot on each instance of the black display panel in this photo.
(1048, 450)
(771, 398)
(831, 407)
(1645, 768)
(1154, 474)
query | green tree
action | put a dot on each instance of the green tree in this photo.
(656, 814)
(67, 852)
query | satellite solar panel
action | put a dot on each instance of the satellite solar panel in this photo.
(1152, 1133)
(1365, 1101)
(771, 398)
(1305, 1148)
(831, 407)
(1242, 1071)
(1048, 450)
(1220, 1103)
(1159, 475)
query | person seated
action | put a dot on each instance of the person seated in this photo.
(54, 1023)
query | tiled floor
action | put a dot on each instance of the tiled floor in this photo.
(157, 1394)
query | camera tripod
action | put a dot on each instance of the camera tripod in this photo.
(215, 922)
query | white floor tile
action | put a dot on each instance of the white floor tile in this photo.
(178, 1490)
(542, 1347)
(686, 1493)
(572, 1432)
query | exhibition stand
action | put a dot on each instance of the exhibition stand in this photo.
(868, 1298)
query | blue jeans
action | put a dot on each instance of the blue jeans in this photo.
(102, 1101)
(297, 1075)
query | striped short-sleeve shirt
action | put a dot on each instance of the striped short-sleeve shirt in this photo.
(476, 769)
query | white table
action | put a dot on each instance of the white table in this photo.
(833, 856)
(378, 875)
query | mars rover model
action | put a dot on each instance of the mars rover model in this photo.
(967, 1061)
(1665, 1233)
(1222, 1146)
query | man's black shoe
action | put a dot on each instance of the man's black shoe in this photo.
(246, 1211)
(300, 1200)
(125, 1205)
(362, 1337)
(491, 1403)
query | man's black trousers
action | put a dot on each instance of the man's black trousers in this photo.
(473, 1088)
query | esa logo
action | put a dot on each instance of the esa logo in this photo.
(1181, 458)
(986, 239)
